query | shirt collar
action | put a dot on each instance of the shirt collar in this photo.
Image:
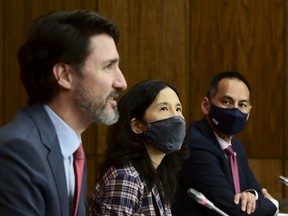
(222, 142)
(68, 139)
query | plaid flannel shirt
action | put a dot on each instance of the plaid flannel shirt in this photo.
(120, 191)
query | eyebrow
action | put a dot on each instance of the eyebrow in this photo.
(165, 103)
(230, 98)
(114, 60)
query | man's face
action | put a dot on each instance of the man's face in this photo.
(100, 81)
(232, 93)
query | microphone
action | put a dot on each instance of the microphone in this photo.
(283, 180)
(201, 199)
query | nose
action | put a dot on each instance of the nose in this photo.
(174, 112)
(239, 107)
(235, 105)
(120, 82)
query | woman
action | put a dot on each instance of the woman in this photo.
(138, 176)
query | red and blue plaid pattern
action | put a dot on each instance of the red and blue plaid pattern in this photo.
(120, 191)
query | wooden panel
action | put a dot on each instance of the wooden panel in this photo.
(284, 201)
(247, 36)
(266, 172)
(16, 24)
(285, 98)
(1, 62)
(285, 173)
(265, 67)
(154, 42)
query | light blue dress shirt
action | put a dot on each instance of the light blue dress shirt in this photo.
(69, 143)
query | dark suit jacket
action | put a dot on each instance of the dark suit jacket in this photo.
(207, 170)
(32, 177)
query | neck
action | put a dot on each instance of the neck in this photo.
(155, 155)
(223, 136)
(70, 114)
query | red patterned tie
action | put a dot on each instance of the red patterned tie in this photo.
(233, 163)
(79, 158)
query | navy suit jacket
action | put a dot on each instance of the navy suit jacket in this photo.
(207, 170)
(32, 177)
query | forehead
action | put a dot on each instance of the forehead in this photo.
(103, 48)
(234, 88)
(165, 96)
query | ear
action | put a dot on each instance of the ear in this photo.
(62, 73)
(205, 106)
(136, 126)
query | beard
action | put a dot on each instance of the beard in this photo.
(96, 106)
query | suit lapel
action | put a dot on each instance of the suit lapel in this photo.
(208, 132)
(56, 163)
(55, 158)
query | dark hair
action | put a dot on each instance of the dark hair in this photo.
(213, 85)
(124, 145)
(62, 36)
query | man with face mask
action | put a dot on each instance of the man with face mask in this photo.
(226, 109)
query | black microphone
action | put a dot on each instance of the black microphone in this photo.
(283, 180)
(201, 199)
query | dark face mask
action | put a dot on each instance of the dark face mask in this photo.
(229, 121)
(166, 135)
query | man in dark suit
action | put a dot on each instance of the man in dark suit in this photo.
(69, 68)
(226, 109)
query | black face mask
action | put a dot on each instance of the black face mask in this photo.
(229, 121)
(166, 135)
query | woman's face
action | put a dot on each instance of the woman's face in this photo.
(166, 105)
